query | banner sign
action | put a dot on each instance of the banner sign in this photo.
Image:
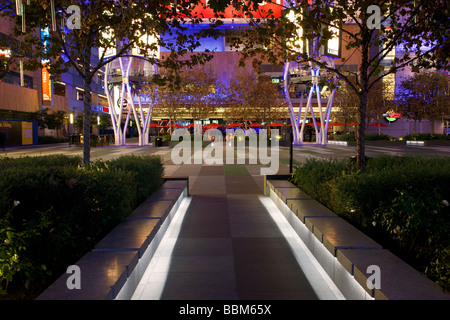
(17, 133)
(46, 82)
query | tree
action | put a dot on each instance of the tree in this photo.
(424, 95)
(112, 24)
(199, 87)
(13, 51)
(346, 102)
(253, 96)
(240, 95)
(170, 102)
(268, 102)
(419, 28)
(52, 121)
(104, 121)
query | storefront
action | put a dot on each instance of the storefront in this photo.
(18, 133)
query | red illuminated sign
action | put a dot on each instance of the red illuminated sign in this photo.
(204, 11)
(46, 85)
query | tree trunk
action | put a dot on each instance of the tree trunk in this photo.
(87, 79)
(87, 121)
(360, 133)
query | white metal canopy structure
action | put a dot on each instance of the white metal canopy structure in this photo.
(307, 76)
(296, 76)
(129, 92)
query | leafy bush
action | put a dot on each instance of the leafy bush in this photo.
(51, 139)
(401, 200)
(344, 137)
(53, 212)
(47, 161)
(377, 137)
(149, 172)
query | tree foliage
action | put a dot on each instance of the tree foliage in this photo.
(424, 95)
(418, 28)
(106, 25)
(253, 96)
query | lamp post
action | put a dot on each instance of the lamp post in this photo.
(68, 127)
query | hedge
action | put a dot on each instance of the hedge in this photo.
(53, 211)
(400, 201)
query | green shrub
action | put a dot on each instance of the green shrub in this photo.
(51, 139)
(149, 172)
(377, 137)
(51, 215)
(402, 200)
(48, 161)
(316, 176)
(344, 137)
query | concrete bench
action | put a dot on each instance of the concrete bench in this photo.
(116, 264)
(345, 253)
(309, 209)
(102, 276)
(130, 235)
(286, 194)
(336, 233)
(398, 281)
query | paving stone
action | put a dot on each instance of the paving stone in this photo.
(102, 276)
(309, 208)
(274, 183)
(130, 235)
(165, 194)
(175, 184)
(336, 233)
(152, 210)
(398, 280)
(291, 194)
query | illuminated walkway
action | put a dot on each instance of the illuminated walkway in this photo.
(231, 243)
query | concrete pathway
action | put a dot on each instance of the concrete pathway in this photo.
(230, 244)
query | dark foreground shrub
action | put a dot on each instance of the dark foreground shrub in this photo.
(52, 215)
(401, 200)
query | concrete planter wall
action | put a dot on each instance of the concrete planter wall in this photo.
(113, 269)
(369, 143)
(429, 143)
(348, 256)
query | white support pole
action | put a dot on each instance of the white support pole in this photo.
(300, 107)
(127, 94)
(112, 109)
(305, 116)
(294, 128)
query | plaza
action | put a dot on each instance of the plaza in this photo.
(238, 225)
(231, 242)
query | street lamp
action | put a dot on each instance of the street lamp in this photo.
(68, 127)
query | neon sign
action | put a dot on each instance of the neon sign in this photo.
(392, 116)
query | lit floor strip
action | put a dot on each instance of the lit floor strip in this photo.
(322, 284)
(154, 279)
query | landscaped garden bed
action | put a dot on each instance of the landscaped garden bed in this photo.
(53, 211)
(400, 202)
